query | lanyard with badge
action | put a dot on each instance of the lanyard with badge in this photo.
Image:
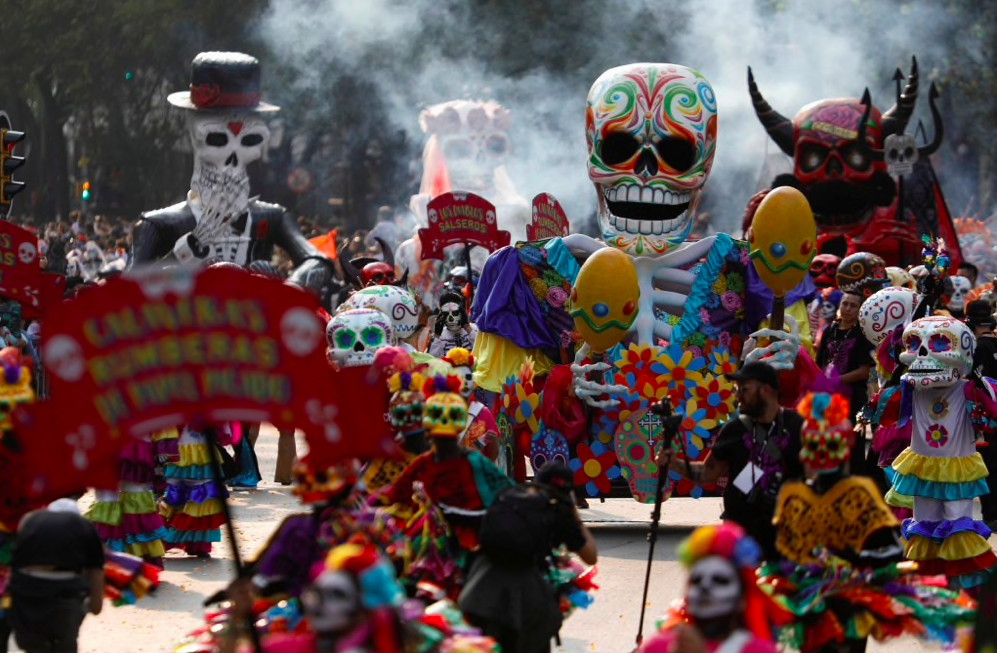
(763, 445)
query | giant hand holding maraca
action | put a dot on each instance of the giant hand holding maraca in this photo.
(603, 306)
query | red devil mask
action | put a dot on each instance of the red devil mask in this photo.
(377, 274)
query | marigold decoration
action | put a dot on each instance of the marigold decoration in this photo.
(527, 407)
(721, 363)
(683, 371)
(695, 427)
(594, 468)
(936, 436)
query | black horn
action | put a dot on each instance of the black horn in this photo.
(387, 255)
(778, 126)
(936, 115)
(896, 117)
(874, 153)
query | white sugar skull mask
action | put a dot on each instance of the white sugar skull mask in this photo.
(714, 588)
(884, 311)
(224, 144)
(355, 336)
(651, 131)
(938, 352)
(960, 289)
(397, 303)
(332, 603)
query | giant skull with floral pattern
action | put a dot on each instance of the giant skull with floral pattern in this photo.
(651, 131)
(938, 352)
(355, 335)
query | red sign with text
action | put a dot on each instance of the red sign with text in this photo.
(549, 219)
(461, 218)
(20, 272)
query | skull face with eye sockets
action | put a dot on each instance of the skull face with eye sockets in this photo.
(714, 588)
(332, 603)
(355, 336)
(452, 315)
(445, 415)
(938, 352)
(224, 145)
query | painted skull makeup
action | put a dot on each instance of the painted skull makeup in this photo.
(452, 316)
(332, 603)
(651, 131)
(714, 588)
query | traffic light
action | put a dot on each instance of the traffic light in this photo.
(85, 195)
(8, 164)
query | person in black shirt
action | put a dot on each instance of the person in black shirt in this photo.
(845, 351)
(58, 576)
(757, 452)
(979, 318)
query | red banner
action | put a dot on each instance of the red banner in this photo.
(549, 219)
(458, 218)
(20, 273)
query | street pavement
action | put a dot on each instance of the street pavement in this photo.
(620, 527)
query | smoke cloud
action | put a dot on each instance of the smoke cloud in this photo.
(538, 59)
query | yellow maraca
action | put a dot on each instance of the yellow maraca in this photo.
(604, 299)
(783, 244)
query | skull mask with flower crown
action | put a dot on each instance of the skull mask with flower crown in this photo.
(938, 352)
(827, 435)
(445, 415)
(651, 130)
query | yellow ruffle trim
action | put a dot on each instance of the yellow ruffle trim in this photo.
(137, 503)
(898, 500)
(962, 546)
(209, 507)
(166, 434)
(194, 454)
(941, 470)
(496, 359)
(152, 549)
(106, 513)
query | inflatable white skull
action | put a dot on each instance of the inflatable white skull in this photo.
(355, 336)
(884, 311)
(224, 144)
(651, 131)
(938, 351)
(397, 303)
(960, 288)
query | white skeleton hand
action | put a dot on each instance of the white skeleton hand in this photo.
(781, 351)
(221, 204)
(589, 391)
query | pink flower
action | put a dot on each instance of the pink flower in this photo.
(725, 339)
(936, 436)
(731, 301)
(704, 316)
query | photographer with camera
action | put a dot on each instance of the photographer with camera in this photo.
(757, 453)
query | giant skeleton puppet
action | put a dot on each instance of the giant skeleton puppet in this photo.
(466, 150)
(845, 157)
(219, 221)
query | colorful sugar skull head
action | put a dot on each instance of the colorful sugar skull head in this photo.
(396, 303)
(884, 311)
(651, 130)
(960, 290)
(445, 415)
(462, 362)
(824, 269)
(826, 436)
(862, 274)
(938, 352)
(355, 335)
(407, 405)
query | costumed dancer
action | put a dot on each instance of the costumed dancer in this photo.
(844, 578)
(942, 409)
(723, 608)
(191, 504)
(303, 539)
(481, 432)
(452, 327)
(127, 519)
(459, 482)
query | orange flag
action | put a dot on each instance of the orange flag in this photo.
(327, 244)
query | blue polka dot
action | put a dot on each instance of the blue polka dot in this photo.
(600, 310)
(778, 250)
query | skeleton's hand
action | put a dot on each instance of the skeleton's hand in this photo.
(591, 391)
(781, 351)
(224, 203)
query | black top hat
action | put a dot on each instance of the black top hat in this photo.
(980, 313)
(757, 371)
(223, 81)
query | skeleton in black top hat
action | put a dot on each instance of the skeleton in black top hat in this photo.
(219, 221)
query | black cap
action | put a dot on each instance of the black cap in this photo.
(980, 313)
(557, 475)
(757, 371)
